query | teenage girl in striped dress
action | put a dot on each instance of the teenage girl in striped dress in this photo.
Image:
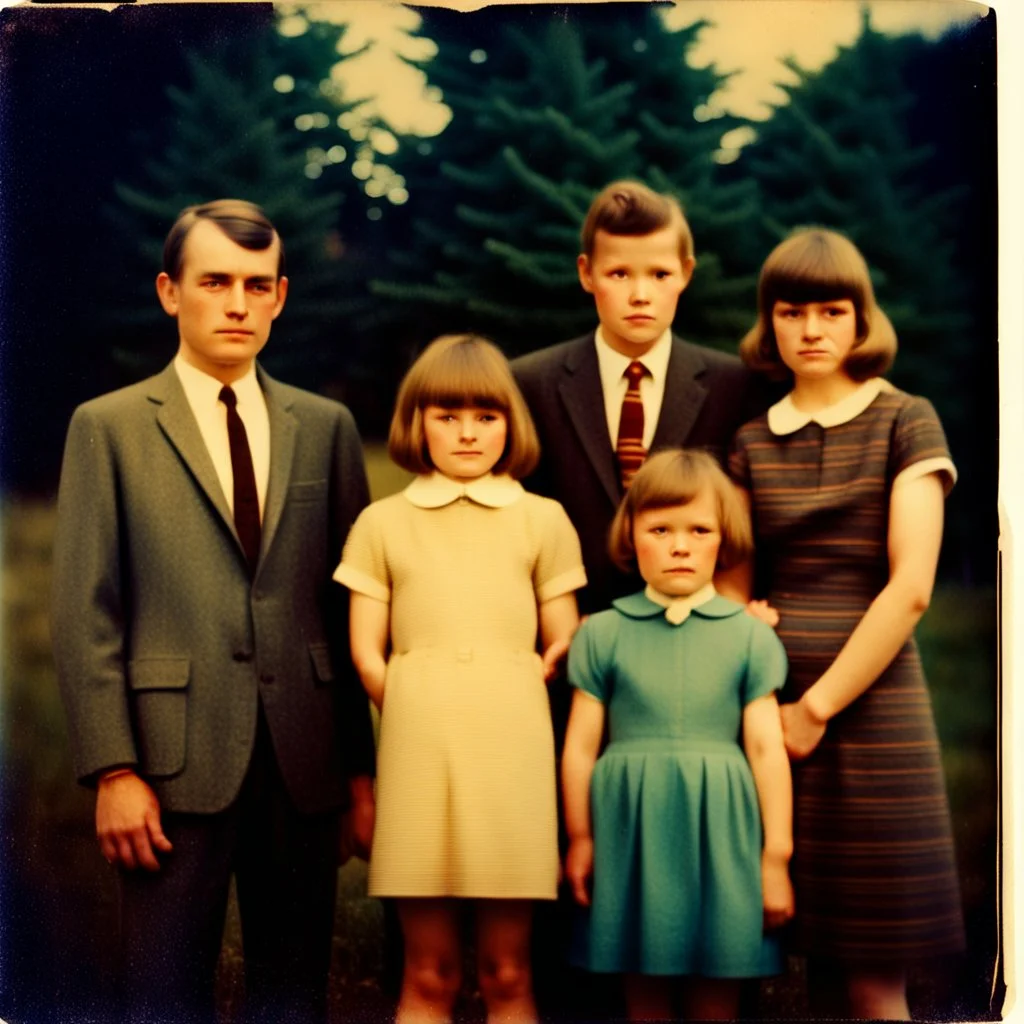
(847, 476)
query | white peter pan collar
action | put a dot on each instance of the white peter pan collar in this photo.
(785, 418)
(435, 490)
(677, 609)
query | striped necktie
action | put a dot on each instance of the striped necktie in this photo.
(629, 448)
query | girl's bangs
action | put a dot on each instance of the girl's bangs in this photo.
(815, 267)
(465, 377)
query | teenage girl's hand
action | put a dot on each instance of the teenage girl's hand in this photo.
(777, 892)
(579, 866)
(554, 654)
(764, 611)
(801, 730)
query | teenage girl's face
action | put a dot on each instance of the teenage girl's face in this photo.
(464, 443)
(677, 547)
(814, 338)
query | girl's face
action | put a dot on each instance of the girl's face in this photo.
(814, 338)
(677, 547)
(464, 443)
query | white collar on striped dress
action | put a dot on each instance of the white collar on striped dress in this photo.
(434, 490)
(677, 609)
(785, 418)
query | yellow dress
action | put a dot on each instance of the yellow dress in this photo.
(466, 764)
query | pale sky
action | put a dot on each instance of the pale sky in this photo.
(748, 37)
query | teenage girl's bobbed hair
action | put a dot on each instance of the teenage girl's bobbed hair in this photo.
(818, 265)
(456, 371)
(675, 476)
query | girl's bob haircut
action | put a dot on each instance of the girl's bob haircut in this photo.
(456, 371)
(818, 265)
(675, 476)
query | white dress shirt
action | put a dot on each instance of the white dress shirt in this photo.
(612, 366)
(211, 414)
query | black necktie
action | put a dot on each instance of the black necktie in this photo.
(247, 502)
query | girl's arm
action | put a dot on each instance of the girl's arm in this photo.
(766, 752)
(369, 631)
(915, 536)
(582, 742)
(559, 620)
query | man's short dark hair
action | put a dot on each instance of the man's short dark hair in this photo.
(243, 222)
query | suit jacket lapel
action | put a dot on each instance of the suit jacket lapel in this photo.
(175, 418)
(684, 395)
(283, 430)
(581, 391)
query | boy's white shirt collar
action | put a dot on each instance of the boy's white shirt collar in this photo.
(785, 418)
(677, 609)
(612, 365)
(434, 490)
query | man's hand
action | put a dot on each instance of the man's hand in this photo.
(357, 822)
(128, 822)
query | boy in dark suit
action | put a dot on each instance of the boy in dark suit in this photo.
(637, 258)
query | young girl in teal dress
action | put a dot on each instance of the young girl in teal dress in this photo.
(666, 847)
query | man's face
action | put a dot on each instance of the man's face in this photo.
(636, 281)
(225, 299)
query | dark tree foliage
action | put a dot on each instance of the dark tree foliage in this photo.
(232, 133)
(549, 105)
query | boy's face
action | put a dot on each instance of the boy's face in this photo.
(636, 281)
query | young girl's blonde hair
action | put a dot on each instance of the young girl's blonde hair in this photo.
(675, 476)
(818, 265)
(456, 371)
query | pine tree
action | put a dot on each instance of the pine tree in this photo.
(236, 130)
(545, 113)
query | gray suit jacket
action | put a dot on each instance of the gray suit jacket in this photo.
(708, 394)
(163, 643)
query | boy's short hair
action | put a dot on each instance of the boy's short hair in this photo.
(456, 371)
(675, 476)
(243, 222)
(819, 265)
(631, 208)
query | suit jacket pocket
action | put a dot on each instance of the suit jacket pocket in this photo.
(305, 491)
(159, 700)
(323, 672)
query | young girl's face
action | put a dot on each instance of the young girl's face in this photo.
(814, 338)
(464, 443)
(677, 547)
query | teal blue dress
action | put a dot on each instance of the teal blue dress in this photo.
(674, 810)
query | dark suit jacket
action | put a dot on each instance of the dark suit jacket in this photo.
(708, 394)
(164, 644)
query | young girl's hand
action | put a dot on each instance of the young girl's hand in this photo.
(579, 866)
(764, 611)
(801, 730)
(553, 656)
(777, 892)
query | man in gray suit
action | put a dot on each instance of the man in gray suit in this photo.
(201, 646)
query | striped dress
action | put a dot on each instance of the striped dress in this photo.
(874, 867)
